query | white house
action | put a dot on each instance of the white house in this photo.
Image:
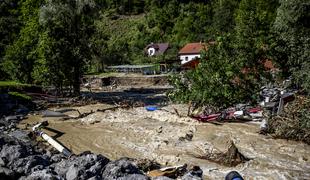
(156, 49)
(191, 52)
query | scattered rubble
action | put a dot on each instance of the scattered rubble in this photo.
(293, 123)
(232, 157)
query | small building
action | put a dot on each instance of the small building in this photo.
(156, 49)
(143, 69)
(191, 52)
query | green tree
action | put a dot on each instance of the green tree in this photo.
(9, 26)
(223, 20)
(216, 80)
(20, 56)
(68, 26)
(254, 20)
(292, 44)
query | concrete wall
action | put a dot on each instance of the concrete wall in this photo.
(189, 57)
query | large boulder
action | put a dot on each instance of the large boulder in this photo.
(194, 174)
(10, 153)
(122, 169)
(84, 166)
(7, 174)
(46, 174)
(25, 165)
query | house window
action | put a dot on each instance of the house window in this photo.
(151, 52)
(196, 57)
(186, 58)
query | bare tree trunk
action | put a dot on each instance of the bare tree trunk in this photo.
(76, 81)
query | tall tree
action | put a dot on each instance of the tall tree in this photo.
(9, 24)
(253, 23)
(69, 26)
(20, 56)
(223, 19)
(292, 25)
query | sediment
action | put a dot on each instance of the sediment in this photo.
(23, 158)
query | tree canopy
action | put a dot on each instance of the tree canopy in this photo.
(54, 42)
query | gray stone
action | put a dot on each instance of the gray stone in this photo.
(25, 165)
(73, 172)
(45, 174)
(14, 118)
(21, 135)
(87, 164)
(2, 163)
(95, 178)
(13, 153)
(49, 113)
(134, 177)
(195, 173)
(120, 168)
(6, 173)
(161, 178)
(57, 158)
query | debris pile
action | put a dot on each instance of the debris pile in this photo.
(272, 102)
(232, 157)
(294, 122)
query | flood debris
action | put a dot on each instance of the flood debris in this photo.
(272, 101)
(177, 172)
(232, 157)
(147, 165)
(293, 123)
(234, 114)
(171, 172)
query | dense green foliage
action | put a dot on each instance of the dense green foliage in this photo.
(53, 42)
(292, 45)
(213, 82)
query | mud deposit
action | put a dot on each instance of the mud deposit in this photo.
(169, 139)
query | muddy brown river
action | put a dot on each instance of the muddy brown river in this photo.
(162, 136)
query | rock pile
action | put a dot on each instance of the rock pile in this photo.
(21, 158)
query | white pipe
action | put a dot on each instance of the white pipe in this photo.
(34, 128)
(50, 140)
(55, 144)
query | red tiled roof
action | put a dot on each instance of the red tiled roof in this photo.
(193, 48)
(268, 64)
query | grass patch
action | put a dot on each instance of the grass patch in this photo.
(12, 84)
(19, 96)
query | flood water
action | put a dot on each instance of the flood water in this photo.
(159, 135)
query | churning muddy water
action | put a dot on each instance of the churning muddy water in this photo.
(170, 139)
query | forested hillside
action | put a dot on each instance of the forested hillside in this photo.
(54, 42)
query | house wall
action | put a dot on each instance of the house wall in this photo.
(189, 57)
(151, 51)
